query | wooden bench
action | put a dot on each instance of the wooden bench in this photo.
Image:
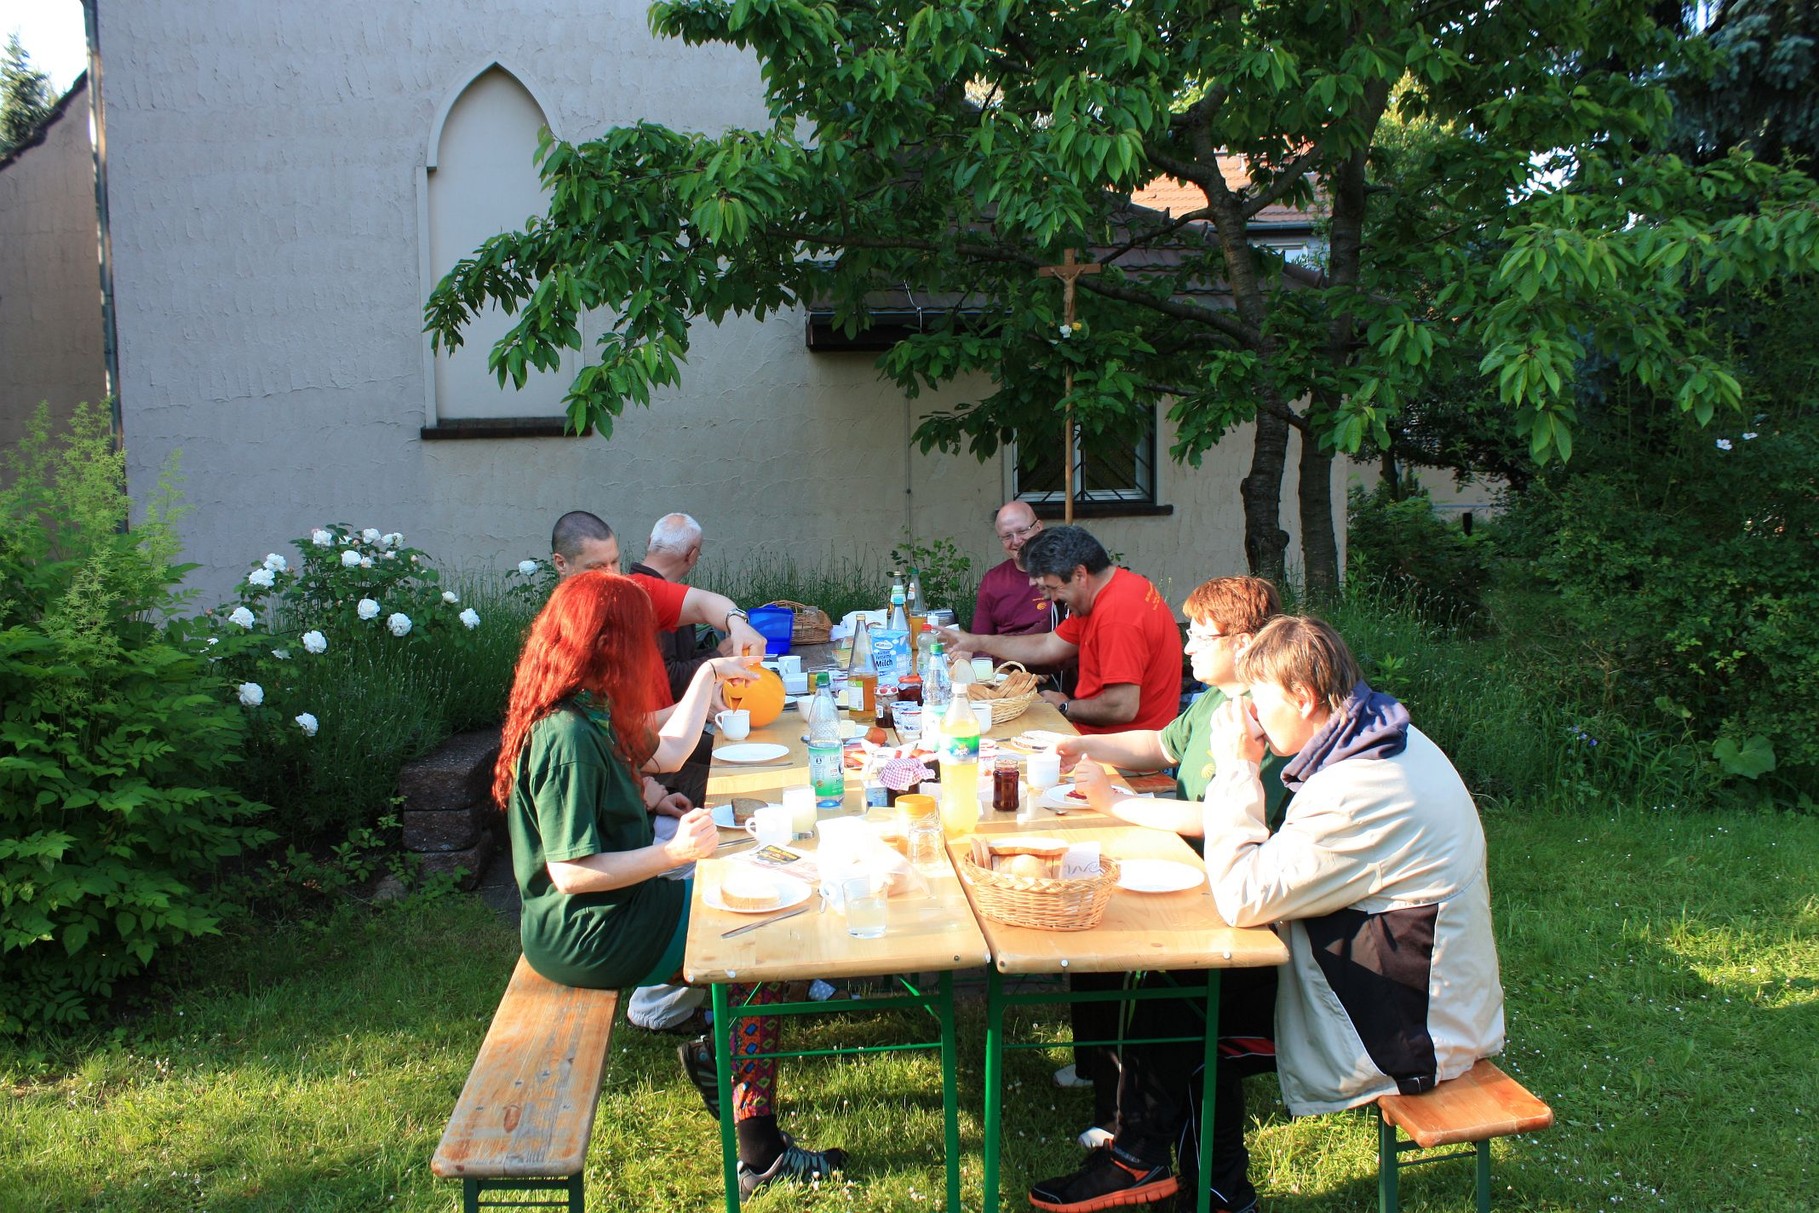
(1480, 1104)
(527, 1112)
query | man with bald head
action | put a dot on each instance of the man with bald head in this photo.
(1008, 605)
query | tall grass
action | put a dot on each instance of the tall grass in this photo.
(836, 584)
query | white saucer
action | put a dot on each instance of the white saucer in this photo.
(751, 751)
(790, 892)
(1158, 876)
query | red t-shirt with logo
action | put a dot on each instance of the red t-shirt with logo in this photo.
(1130, 637)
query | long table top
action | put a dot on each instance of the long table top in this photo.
(1140, 930)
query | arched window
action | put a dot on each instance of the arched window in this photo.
(479, 180)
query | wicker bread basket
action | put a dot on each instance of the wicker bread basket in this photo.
(812, 623)
(1005, 708)
(1039, 902)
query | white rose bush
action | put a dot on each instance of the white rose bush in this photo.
(350, 656)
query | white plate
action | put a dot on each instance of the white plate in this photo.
(790, 892)
(723, 816)
(750, 751)
(1057, 797)
(1158, 876)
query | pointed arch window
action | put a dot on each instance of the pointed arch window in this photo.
(478, 181)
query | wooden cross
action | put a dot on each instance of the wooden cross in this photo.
(1069, 272)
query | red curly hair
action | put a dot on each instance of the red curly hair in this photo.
(597, 634)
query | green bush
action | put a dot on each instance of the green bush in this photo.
(116, 742)
(1686, 560)
(1402, 547)
(354, 657)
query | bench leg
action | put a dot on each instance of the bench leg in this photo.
(470, 1196)
(1484, 1176)
(1388, 1161)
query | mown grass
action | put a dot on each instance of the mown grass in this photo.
(1662, 974)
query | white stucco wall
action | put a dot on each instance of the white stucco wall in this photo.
(50, 286)
(265, 165)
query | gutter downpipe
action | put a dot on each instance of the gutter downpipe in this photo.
(110, 350)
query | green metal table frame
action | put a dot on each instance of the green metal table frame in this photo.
(572, 1187)
(939, 1003)
(997, 999)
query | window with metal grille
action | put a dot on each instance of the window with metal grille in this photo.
(1105, 469)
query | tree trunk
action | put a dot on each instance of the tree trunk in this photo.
(1265, 542)
(1319, 543)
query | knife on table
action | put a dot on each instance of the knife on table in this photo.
(767, 922)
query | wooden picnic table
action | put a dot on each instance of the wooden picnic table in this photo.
(1141, 932)
(1176, 931)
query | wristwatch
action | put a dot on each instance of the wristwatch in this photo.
(733, 614)
(1062, 707)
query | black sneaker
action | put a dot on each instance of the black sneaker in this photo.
(809, 1166)
(1107, 1181)
(698, 1063)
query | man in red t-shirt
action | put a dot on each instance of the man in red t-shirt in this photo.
(1122, 632)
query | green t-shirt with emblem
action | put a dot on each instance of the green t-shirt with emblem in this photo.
(575, 797)
(1187, 739)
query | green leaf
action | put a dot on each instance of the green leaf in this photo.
(1753, 759)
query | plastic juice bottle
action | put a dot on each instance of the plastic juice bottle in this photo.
(960, 769)
(826, 767)
(914, 602)
(862, 674)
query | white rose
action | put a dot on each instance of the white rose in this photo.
(471, 618)
(252, 694)
(390, 555)
(370, 534)
(349, 558)
(392, 539)
(308, 724)
(321, 538)
(243, 617)
(399, 623)
(282, 654)
(450, 597)
(261, 577)
(1067, 330)
(366, 608)
(366, 562)
(315, 642)
(276, 563)
(528, 567)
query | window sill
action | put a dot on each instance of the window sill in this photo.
(1050, 511)
(500, 427)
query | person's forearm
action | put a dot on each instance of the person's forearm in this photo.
(1114, 705)
(679, 731)
(1136, 750)
(1179, 816)
(609, 870)
(1039, 648)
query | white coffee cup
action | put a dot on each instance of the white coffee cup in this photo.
(770, 826)
(735, 723)
(1044, 770)
(982, 712)
(790, 663)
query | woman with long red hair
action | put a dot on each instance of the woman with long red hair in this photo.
(597, 912)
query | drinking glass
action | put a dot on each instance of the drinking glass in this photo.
(800, 801)
(908, 717)
(866, 909)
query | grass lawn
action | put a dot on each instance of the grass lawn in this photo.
(1662, 974)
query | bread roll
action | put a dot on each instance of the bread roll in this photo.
(1024, 865)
